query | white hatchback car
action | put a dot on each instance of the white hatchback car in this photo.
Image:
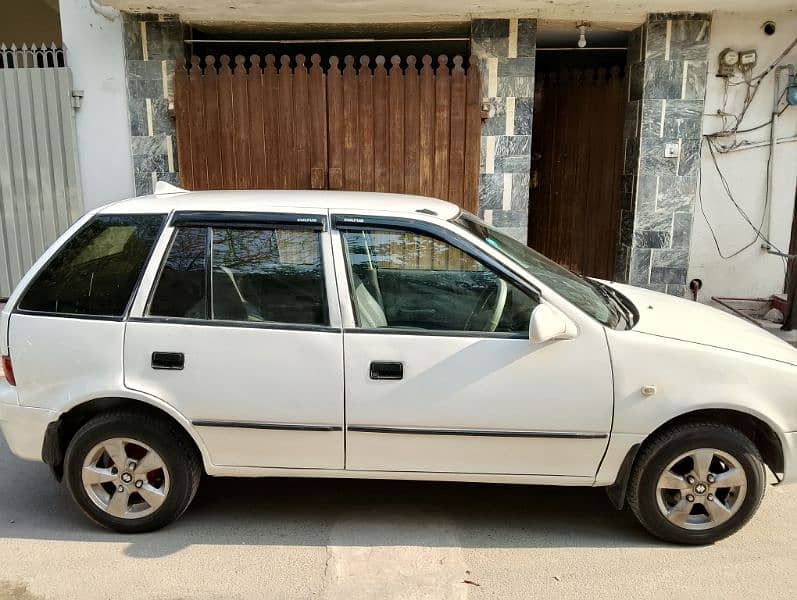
(334, 334)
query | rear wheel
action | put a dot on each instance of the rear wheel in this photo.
(697, 483)
(131, 472)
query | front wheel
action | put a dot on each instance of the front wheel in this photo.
(696, 483)
(131, 472)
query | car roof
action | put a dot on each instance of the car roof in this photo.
(305, 201)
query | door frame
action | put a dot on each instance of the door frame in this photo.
(282, 432)
(463, 240)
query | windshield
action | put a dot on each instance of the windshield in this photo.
(596, 299)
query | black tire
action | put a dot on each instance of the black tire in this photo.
(663, 448)
(169, 441)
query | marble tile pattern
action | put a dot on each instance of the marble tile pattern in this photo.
(667, 87)
(507, 52)
(152, 43)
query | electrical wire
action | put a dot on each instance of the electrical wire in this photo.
(726, 187)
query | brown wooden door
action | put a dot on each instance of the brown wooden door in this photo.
(368, 126)
(574, 215)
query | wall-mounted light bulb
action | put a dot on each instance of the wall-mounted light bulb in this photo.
(582, 38)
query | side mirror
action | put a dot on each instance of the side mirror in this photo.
(548, 324)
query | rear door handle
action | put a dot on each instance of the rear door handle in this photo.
(174, 361)
(386, 370)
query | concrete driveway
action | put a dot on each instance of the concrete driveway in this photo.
(367, 539)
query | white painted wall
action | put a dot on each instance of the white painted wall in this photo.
(753, 273)
(95, 52)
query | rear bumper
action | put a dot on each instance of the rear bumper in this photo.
(22, 426)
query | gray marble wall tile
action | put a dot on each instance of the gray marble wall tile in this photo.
(131, 32)
(689, 163)
(520, 190)
(695, 73)
(650, 238)
(145, 88)
(527, 37)
(513, 154)
(152, 43)
(660, 275)
(681, 229)
(514, 76)
(511, 218)
(164, 39)
(145, 145)
(491, 191)
(137, 111)
(489, 37)
(518, 87)
(143, 70)
(495, 124)
(635, 46)
(674, 289)
(689, 39)
(515, 67)
(636, 81)
(631, 156)
(622, 260)
(162, 121)
(143, 183)
(148, 163)
(524, 113)
(663, 79)
(639, 268)
(652, 159)
(674, 58)
(631, 122)
(683, 119)
(656, 41)
(173, 178)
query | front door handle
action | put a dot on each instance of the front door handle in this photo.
(174, 361)
(386, 370)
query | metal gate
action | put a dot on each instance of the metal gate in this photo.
(39, 177)
(408, 128)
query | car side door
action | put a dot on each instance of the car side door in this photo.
(239, 335)
(440, 373)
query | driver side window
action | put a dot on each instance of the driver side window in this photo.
(406, 280)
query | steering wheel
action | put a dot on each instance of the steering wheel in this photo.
(500, 293)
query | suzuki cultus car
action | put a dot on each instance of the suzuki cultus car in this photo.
(335, 334)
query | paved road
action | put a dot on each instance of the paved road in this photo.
(365, 539)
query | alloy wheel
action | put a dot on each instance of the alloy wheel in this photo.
(701, 489)
(125, 478)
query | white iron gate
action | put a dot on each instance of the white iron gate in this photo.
(39, 177)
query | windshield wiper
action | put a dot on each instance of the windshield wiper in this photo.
(628, 312)
(617, 302)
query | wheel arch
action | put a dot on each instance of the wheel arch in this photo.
(60, 432)
(763, 435)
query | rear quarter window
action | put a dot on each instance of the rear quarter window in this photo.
(96, 271)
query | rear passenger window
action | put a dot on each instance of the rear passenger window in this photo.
(251, 275)
(181, 289)
(96, 271)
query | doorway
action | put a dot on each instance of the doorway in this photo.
(575, 191)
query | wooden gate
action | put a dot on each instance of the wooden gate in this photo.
(399, 129)
(574, 215)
